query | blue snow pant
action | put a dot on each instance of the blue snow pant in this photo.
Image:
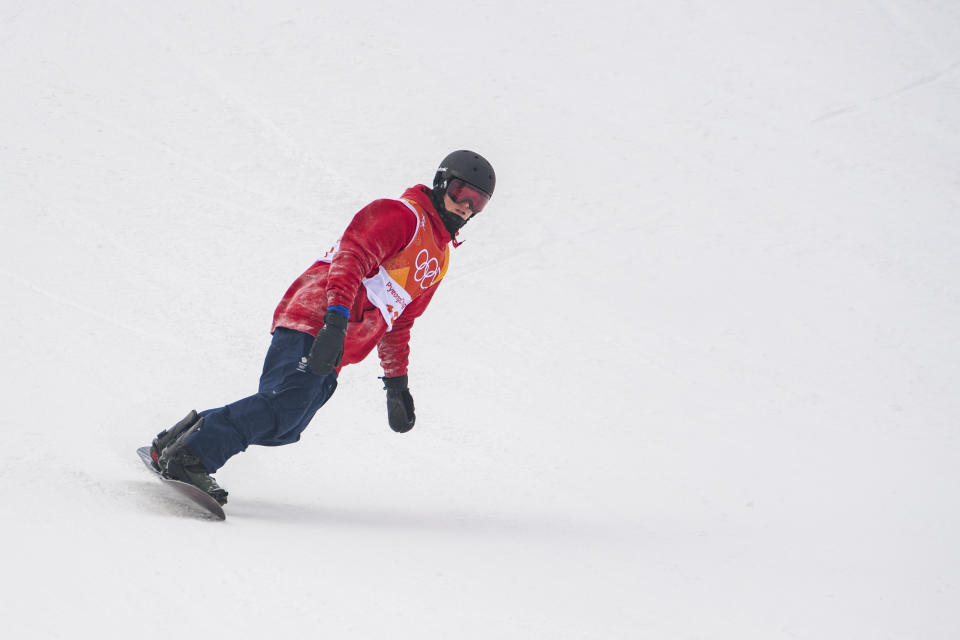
(290, 394)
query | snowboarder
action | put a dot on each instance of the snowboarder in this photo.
(365, 292)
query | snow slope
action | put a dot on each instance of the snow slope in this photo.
(693, 374)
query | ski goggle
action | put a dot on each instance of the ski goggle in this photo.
(461, 191)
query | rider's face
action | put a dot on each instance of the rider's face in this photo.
(461, 209)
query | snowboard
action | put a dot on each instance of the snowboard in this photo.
(198, 496)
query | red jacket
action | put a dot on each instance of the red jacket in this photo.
(377, 232)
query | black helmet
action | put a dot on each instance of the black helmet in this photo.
(468, 166)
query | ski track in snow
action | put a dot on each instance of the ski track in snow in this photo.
(911, 86)
(88, 311)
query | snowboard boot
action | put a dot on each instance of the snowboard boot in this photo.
(179, 462)
(167, 437)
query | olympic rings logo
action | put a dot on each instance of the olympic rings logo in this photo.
(427, 268)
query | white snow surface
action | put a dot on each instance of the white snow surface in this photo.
(694, 373)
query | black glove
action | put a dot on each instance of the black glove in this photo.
(327, 349)
(399, 404)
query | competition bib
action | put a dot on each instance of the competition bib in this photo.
(403, 277)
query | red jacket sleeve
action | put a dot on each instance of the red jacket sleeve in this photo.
(394, 346)
(378, 231)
